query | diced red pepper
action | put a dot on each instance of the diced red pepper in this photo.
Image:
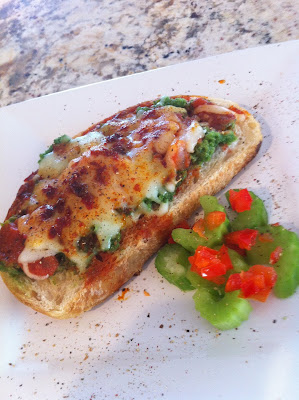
(199, 227)
(275, 255)
(245, 239)
(233, 283)
(43, 267)
(224, 257)
(211, 264)
(240, 201)
(184, 224)
(214, 219)
(256, 283)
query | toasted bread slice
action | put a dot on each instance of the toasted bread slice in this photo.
(67, 294)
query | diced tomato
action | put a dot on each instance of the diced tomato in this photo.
(180, 155)
(46, 266)
(214, 219)
(240, 201)
(275, 255)
(245, 239)
(199, 227)
(265, 237)
(211, 264)
(11, 243)
(184, 224)
(256, 283)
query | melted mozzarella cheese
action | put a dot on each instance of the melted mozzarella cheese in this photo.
(193, 133)
(106, 231)
(89, 140)
(52, 165)
(81, 260)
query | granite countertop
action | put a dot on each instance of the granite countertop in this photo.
(48, 46)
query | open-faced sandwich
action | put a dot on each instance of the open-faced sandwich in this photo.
(102, 203)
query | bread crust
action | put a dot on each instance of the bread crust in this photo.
(67, 294)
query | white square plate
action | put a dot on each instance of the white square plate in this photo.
(157, 346)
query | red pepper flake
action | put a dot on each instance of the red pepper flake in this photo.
(146, 293)
(275, 255)
(122, 297)
(221, 81)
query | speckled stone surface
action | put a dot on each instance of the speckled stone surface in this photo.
(53, 45)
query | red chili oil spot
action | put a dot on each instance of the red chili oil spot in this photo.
(12, 243)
